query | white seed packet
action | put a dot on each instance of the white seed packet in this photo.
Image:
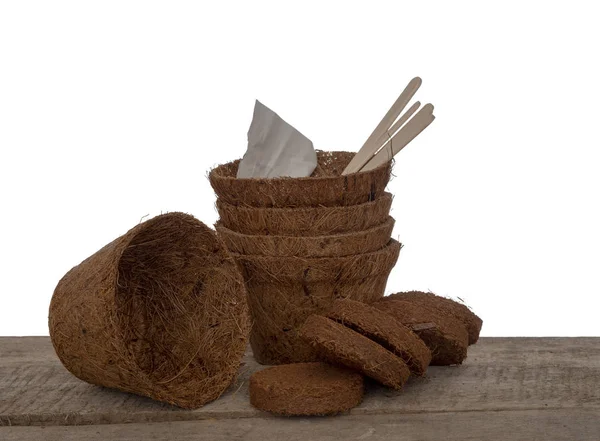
(275, 148)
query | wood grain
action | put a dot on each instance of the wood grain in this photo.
(541, 382)
(530, 425)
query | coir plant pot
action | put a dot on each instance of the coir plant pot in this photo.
(284, 291)
(337, 245)
(161, 311)
(304, 221)
(326, 187)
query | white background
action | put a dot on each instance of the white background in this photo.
(114, 110)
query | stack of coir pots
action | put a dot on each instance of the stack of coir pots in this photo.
(302, 243)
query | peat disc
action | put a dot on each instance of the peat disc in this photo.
(385, 330)
(446, 306)
(446, 337)
(306, 389)
(340, 345)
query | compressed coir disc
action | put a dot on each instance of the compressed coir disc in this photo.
(385, 330)
(306, 389)
(446, 337)
(161, 311)
(446, 306)
(339, 345)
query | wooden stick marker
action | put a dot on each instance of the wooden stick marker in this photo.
(409, 132)
(389, 134)
(370, 146)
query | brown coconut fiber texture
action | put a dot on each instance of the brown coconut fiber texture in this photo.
(385, 330)
(305, 389)
(327, 186)
(340, 345)
(338, 245)
(446, 337)
(161, 312)
(446, 306)
(304, 221)
(284, 291)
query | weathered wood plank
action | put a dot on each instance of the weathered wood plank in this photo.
(500, 374)
(571, 351)
(527, 425)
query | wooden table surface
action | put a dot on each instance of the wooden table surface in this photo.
(508, 389)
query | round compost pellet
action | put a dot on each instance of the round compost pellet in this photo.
(445, 306)
(446, 337)
(342, 346)
(306, 389)
(385, 330)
